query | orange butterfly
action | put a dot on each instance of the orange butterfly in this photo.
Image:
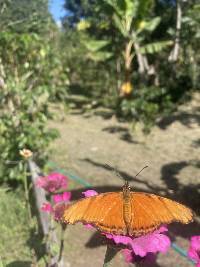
(127, 213)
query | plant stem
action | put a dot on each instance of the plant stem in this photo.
(62, 239)
(110, 254)
(49, 241)
(27, 191)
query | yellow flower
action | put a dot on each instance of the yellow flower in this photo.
(126, 88)
(25, 153)
(142, 24)
(83, 25)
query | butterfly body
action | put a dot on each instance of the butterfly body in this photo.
(127, 213)
(127, 210)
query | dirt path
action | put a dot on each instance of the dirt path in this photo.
(172, 151)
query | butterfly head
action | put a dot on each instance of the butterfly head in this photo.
(126, 188)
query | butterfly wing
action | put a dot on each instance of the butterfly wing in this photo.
(103, 211)
(149, 211)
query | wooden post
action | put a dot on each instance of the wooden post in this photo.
(40, 198)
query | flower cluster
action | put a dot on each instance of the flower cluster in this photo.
(60, 202)
(53, 182)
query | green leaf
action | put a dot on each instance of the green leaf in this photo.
(131, 8)
(155, 47)
(95, 45)
(149, 26)
(100, 56)
(120, 25)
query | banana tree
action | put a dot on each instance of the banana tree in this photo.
(131, 18)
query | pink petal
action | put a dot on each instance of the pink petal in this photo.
(88, 226)
(47, 207)
(162, 229)
(153, 242)
(150, 243)
(52, 182)
(195, 242)
(66, 196)
(57, 198)
(40, 182)
(194, 249)
(123, 239)
(128, 255)
(59, 210)
(90, 193)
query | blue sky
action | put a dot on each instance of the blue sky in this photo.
(56, 8)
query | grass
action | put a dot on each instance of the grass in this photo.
(15, 248)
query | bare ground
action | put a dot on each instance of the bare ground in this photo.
(91, 139)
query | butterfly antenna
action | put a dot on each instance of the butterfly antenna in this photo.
(141, 170)
(115, 171)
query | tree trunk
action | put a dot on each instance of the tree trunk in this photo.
(140, 58)
(128, 60)
(173, 57)
(126, 87)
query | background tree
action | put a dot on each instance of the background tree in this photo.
(25, 16)
(135, 42)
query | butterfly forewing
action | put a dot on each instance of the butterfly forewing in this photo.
(104, 211)
(149, 211)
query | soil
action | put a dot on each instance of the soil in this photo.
(93, 138)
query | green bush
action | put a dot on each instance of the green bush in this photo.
(22, 125)
(28, 80)
(146, 105)
(35, 58)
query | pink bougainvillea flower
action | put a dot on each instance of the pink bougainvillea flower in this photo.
(61, 202)
(52, 182)
(138, 247)
(194, 250)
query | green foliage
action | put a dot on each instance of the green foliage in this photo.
(29, 73)
(25, 16)
(22, 125)
(155, 47)
(146, 105)
(97, 49)
(139, 37)
(31, 57)
(13, 227)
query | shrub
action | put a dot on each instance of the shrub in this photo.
(146, 105)
(28, 80)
